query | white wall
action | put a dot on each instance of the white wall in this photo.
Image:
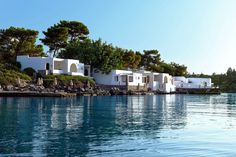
(137, 80)
(194, 83)
(110, 79)
(105, 79)
(37, 63)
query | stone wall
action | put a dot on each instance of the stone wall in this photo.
(137, 88)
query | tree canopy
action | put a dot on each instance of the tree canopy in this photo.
(55, 39)
(98, 54)
(18, 41)
(58, 36)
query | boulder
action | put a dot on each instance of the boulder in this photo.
(9, 87)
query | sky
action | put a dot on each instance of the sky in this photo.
(200, 34)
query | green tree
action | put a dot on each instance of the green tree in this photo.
(151, 60)
(179, 70)
(168, 68)
(18, 41)
(98, 54)
(131, 59)
(60, 35)
(55, 39)
(77, 31)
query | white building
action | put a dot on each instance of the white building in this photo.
(182, 82)
(120, 78)
(160, 82)
(49, 65)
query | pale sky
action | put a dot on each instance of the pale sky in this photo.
(198, 33)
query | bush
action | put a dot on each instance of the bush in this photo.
(29, 71)
(18, 65)
(12, 66)
(47, 83)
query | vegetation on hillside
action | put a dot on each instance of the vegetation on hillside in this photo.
(9, 76)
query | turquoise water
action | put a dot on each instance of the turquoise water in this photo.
(166, 125)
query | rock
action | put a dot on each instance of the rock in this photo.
(114, 91)
(9, 87)
(82, 89)
(90, 91)
(40, 81)
(20, 82)
(68, 89)
(123, 92)
(55, 83)
(71, 83)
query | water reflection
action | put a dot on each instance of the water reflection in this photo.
(82, 125)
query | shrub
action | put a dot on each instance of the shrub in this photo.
(29, 71)
(18, 65)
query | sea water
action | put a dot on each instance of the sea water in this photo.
(159, 125)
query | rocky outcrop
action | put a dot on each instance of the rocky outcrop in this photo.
(78, 88)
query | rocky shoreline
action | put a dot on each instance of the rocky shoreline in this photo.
(53, 88)
(39, 90)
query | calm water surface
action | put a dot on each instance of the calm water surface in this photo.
(166, 125)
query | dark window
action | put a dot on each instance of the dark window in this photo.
(124, 78)
(131, 79)
(144, 80)
(116, 78)
(155, 77)
(47, 66)
(86, 72)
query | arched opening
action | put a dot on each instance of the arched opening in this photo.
(47, 66)
(165, 79)
(73, 68)
(86, 72)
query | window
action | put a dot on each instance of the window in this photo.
(58, 65)
(165, 79)
(116, 78)
(148, 79)
(131, 79)
(155, 77)
(144, 79)
(124, 78)
(47, 66)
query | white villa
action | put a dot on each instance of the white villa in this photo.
(161, 82)
(49, 65)
(193, 83)
(137, 80)
(121, 78)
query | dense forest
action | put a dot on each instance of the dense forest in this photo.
(70, 39)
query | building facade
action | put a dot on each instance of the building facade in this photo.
(192, 83)
(136, 80)
(49, 65)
